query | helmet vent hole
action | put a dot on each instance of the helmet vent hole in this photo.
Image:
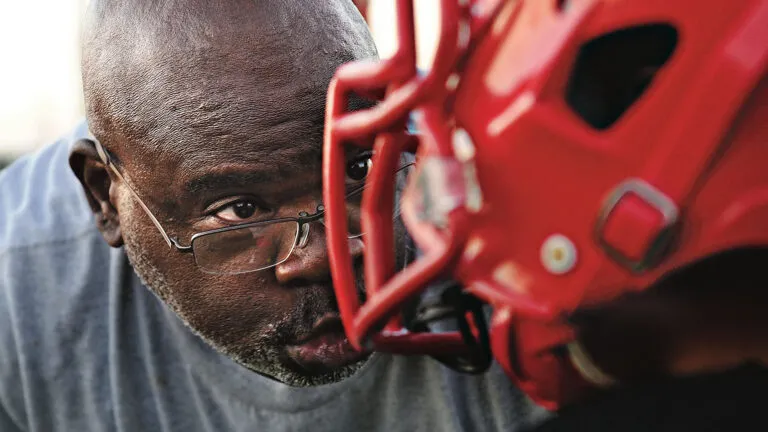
(613, 71)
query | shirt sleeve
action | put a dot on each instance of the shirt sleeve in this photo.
(9, 374)
(6, 422)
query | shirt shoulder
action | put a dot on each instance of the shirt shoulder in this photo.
(50, 286)
(41, 200)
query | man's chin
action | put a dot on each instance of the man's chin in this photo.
(280, 366)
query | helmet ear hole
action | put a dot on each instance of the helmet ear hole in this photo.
(613, 71)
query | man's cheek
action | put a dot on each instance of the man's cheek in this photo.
(238, 299)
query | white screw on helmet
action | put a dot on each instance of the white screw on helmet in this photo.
(558, 254)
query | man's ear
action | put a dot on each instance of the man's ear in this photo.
(94, 176)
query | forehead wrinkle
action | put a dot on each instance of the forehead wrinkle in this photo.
(224, 119)
(283, 145)
(213, 181)
(269, 169)
(266, 129)
(226, 115)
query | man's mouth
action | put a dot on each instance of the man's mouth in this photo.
(325, 348)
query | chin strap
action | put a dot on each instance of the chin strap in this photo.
(448, 301)
(587, 368)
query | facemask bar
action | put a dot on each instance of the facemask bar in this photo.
(405, 89)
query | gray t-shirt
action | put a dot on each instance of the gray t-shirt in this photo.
(84, 346)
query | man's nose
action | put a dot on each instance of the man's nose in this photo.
(309, 260)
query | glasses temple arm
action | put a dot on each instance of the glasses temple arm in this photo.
(159, 227)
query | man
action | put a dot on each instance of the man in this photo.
(204, 116)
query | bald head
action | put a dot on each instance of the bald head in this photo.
(160, 72)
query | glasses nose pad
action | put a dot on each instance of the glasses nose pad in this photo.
(303, 236)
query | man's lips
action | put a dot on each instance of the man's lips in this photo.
(325, 347)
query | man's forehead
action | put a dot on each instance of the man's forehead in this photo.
(245, 88)
(225, 122)
(265, 155)
(268, 63)
(275, 157)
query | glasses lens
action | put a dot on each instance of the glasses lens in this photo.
(245, 249)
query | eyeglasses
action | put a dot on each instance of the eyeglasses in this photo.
(252, 246)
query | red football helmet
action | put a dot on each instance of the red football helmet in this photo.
(568, 152)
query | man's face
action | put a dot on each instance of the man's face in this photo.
(222, 136)
(260, 318)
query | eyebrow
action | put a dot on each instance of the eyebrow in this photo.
(219, 181)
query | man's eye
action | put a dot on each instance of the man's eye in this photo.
(358, 169)
(238, 212)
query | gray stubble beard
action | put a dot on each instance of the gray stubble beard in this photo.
(261, 354)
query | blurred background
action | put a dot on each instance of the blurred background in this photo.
(40, 90)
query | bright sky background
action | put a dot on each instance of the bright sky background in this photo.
(382, 21)
(40, 88)
(40, 93)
